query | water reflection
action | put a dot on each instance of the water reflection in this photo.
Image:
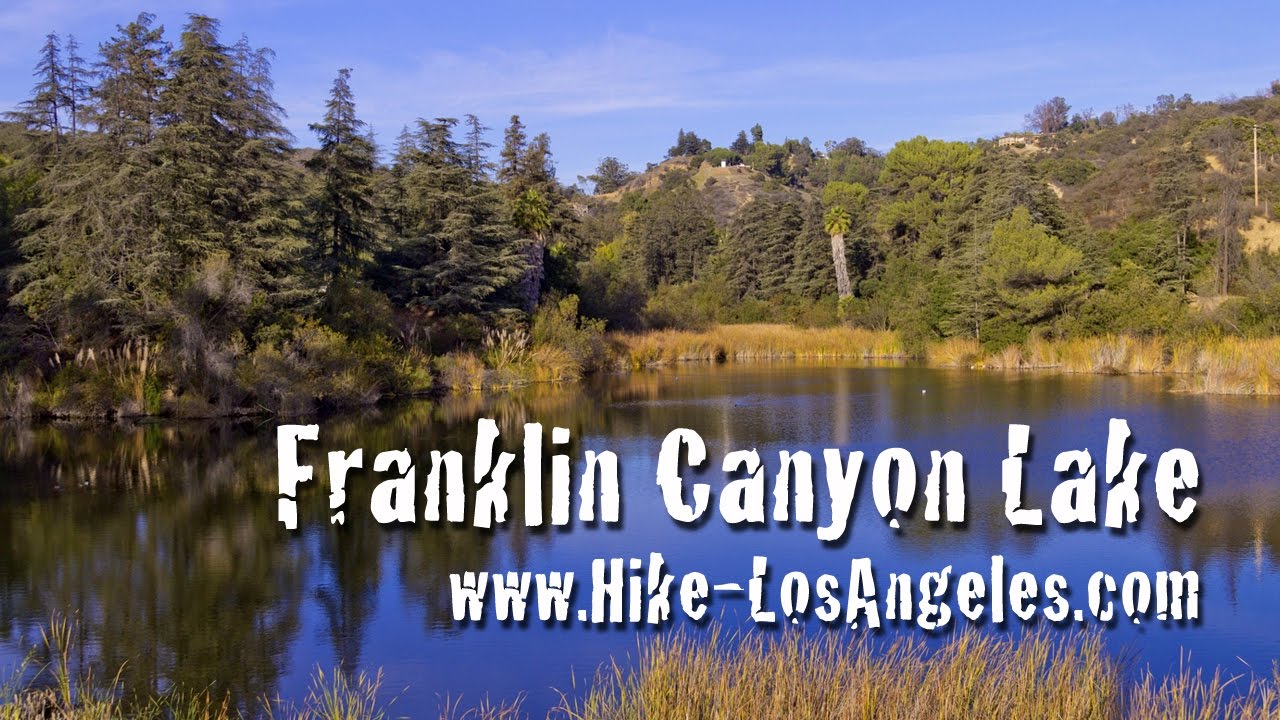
(162, 538)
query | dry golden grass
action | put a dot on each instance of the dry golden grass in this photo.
(953, 353)
(750, 674)
(552, 364)
(972, 675)
(460, 372)
(755, 342)
(1230, 366)
(1222, 366)
(1010, 358)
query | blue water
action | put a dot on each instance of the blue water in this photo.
(161, 541)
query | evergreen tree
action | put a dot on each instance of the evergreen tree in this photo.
(43, 113)
(477, 148)
(610, 175)
(224, 160)
(927, 183)
(1031, 275)
(96, 266)
(77, 84)
(812, 272)
(131, 74)
(1176, 185)
(514, 145)
(230, 211)
(675, 235)
(759, 247)
(688, 143)
(456, 250)
(344, 229)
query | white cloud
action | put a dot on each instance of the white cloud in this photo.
(620, 72)
(617, 72)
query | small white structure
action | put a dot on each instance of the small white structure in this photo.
(1013, 140)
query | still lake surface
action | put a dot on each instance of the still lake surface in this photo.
(162, 540)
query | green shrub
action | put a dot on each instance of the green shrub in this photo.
(557, 324)
(687, 306)
(316, 367)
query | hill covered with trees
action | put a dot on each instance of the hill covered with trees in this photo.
(165, 247)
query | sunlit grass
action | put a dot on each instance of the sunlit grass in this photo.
(1213, 366)
(744, 674)
(755, 342)
(972, 675)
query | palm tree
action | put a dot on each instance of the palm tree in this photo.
(532, 215)
(837, 222)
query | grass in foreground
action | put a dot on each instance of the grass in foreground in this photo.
(753, 674)
(972, 675)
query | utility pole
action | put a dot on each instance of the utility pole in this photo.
(1255, 167)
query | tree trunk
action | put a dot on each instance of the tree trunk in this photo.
(531, 285)
(842, 267)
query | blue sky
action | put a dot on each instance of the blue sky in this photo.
(621, 78)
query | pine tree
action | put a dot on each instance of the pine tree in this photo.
(456, 250)
(132, 73)
(344, 231)
(674, 237)
(223, 151)
(477, 148)
(43, 113)
(96, 266)
(77, 84)
(760, 247)
(512, 156)
(812, 273)
(230, 211)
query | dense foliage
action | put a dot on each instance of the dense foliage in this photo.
(153, 205)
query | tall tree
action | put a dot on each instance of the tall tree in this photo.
(97, 268)
(532, 217)
(42, 113)
(688, 143)
(456, 249)
(1032, 276)
(344, 228)
(926, 183)
(477, 148)
(759, 246)
(131, 74)
(844, 202)
(77, 84)
(512, 156)
(231, 209)
(675, 235)
(837, 222)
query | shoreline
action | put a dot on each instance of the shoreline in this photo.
(1212, 366)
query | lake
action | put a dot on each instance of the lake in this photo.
(162, 540)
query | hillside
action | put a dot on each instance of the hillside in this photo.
(725, 189)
